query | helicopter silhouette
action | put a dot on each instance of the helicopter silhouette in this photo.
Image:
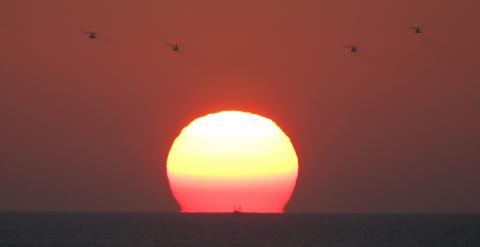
(175, 47)
(417, 29)
(353, 48)
(91, 34)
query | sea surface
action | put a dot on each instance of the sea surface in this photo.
(205, 230)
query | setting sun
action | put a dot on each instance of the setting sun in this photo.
(232, 159)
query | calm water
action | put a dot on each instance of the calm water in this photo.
(54, 229)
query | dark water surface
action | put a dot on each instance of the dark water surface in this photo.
(99, 229)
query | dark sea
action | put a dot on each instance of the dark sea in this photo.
(205, 230)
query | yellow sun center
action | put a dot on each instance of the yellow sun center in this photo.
(232, 151)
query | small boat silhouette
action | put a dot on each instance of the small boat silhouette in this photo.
(237, 211)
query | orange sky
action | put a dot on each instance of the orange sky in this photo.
(86, 125)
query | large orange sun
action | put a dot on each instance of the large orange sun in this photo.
(229, 160)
